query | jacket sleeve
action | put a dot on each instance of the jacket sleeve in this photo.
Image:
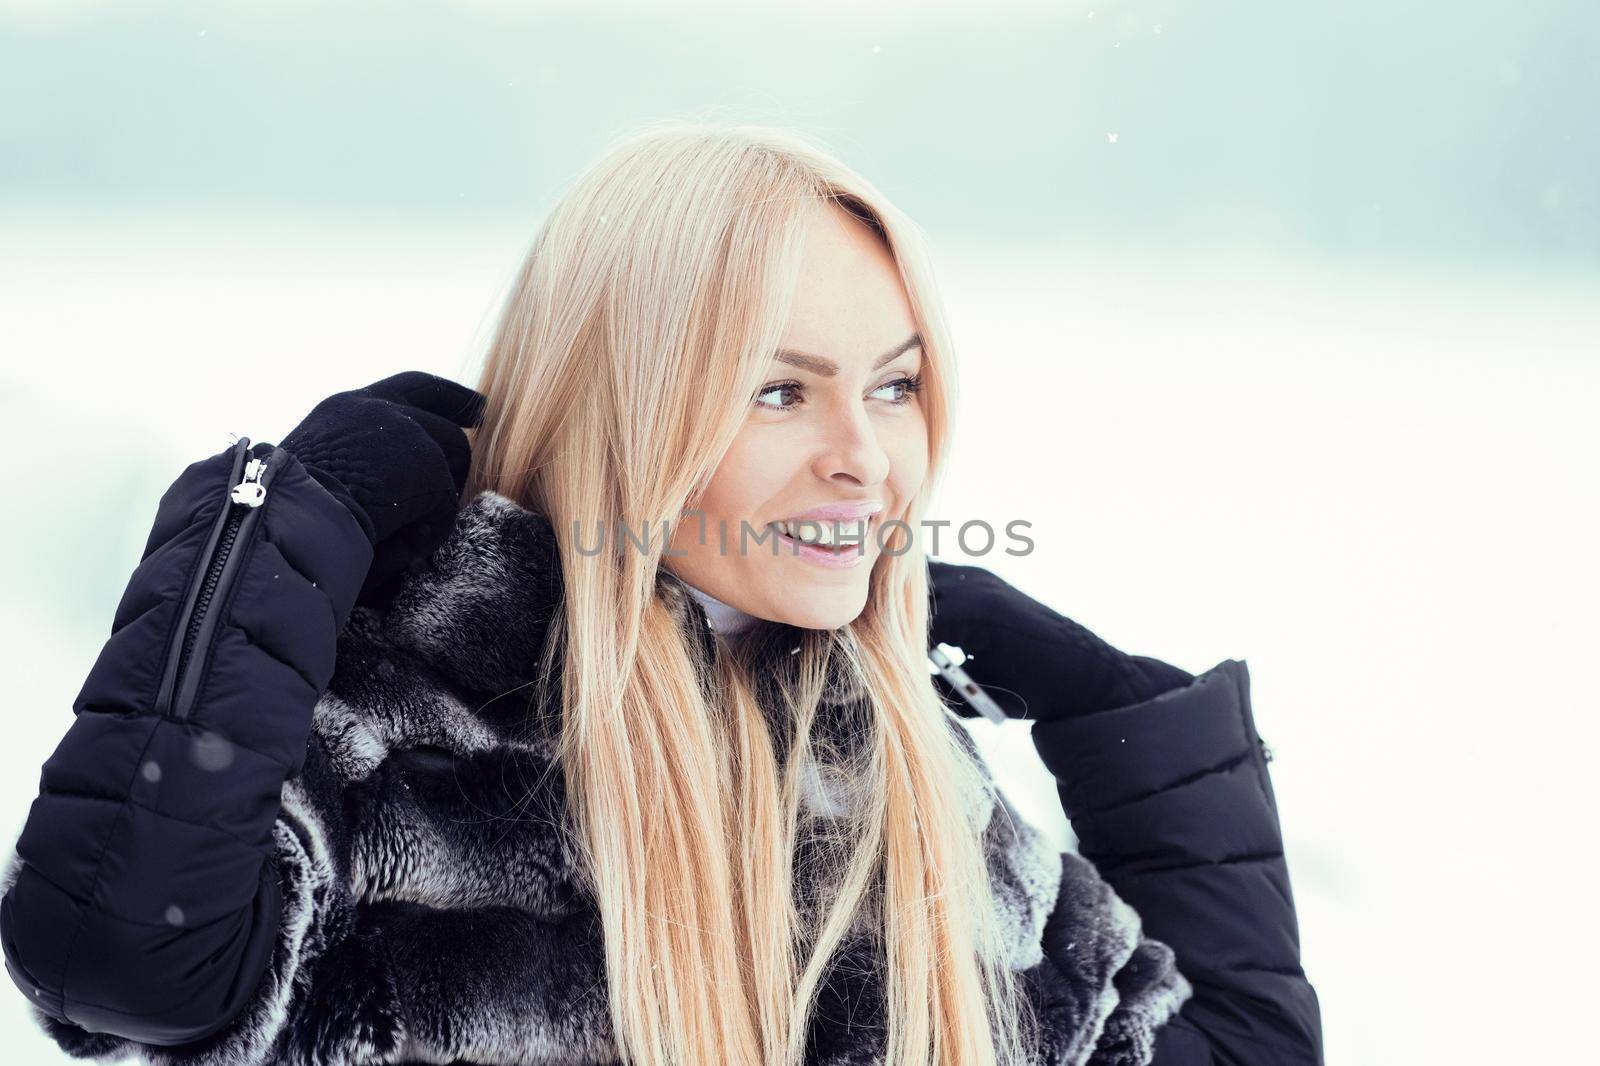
(175, 874)
(1171, 801)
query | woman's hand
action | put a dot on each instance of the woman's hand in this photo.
(395, 453)
(1033, 661)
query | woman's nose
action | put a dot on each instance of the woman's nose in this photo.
(850, 448)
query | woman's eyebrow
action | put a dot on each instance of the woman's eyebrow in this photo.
(828, 368)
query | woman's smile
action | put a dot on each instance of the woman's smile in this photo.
(832, 542)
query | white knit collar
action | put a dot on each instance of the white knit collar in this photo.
(725, 618)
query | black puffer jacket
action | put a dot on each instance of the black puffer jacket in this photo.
(176, 853)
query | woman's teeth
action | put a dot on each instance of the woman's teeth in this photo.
(826, 534)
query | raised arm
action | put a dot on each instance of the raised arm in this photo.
(183, 860)
(1164, 779)
(142, 899)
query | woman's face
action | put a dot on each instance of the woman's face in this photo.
(835, 428)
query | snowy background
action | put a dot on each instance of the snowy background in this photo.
(1283, 322)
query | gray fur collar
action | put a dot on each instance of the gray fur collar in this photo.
(432, 914)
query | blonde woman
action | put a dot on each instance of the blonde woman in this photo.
(586, 717)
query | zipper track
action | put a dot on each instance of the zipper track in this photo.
(208, 588)
(241, 506)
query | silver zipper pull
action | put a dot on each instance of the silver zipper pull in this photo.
(962, 682)
(250, 491)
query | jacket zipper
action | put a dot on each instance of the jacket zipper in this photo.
(962, 682)
(247, 491)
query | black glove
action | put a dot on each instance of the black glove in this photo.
(395, 454)
(1034, 662)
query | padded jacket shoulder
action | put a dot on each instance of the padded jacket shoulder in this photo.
(157, 880)
(1171, 800)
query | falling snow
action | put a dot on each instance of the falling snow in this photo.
(211, 751)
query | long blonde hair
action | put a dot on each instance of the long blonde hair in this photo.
(636, 332)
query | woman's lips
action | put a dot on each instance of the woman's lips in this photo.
(850, 552)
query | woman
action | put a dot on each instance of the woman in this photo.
(414, 742)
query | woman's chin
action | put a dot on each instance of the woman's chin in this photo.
(831, 610)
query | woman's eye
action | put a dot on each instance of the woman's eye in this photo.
(770, 390)
(907, 386)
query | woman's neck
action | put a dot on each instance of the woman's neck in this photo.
(725, 618)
